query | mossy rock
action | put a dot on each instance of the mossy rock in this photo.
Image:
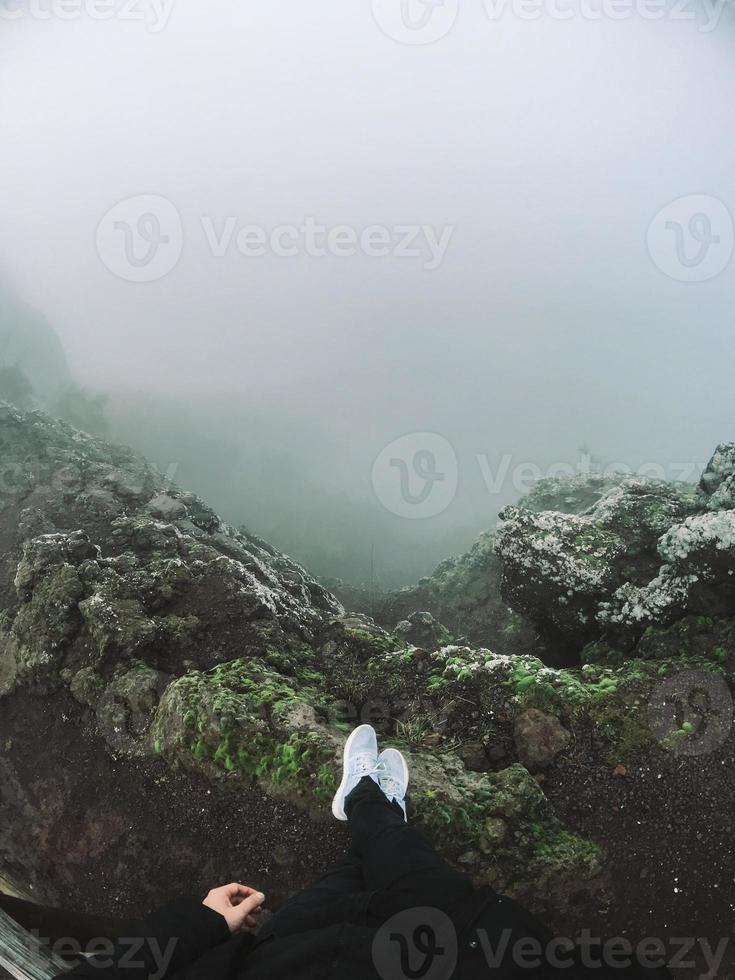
(46, 624)
(244, 719)
(503, 819)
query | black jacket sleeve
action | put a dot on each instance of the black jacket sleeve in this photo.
(160, 945)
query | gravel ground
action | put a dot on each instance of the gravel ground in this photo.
(667, 829)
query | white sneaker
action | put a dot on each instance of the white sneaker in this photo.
(360, 759)
(393, 777)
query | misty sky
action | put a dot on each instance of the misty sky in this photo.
(546, 147)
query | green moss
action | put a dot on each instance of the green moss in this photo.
(252, 680)
(506, 818)
(624, 729)
(235, 719)
(553, 851)
(437, 682)
(305, 762)
(372, 643)
(513, 626)
(610, 702)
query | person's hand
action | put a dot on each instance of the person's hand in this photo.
(238, 904)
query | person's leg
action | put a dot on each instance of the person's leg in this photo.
(342, 878)
(397, 860)
(328, 892)
(398, 864)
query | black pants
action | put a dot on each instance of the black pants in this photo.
(388, 868)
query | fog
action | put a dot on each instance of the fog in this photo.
(548, 310)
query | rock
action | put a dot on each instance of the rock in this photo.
(469, 858)
(422, 630)
(496, 752)
(494, 832)
(561, 569)
(79, 548)
(557, 568)
(569, 494)
(539, 739)
(8, 666)
(474, 756)
(718, 479)
(46, 623)
(166, 507)
(126, 707)
(698, 576)
(86, 686)
(517, 796)
(705, 539)
(692, 636)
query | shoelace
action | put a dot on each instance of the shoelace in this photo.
(391, 787)
(362, 765)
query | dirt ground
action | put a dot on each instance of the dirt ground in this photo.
(667, 828)
(117, 837)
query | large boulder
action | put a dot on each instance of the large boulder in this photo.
(697, 576)
(559, 569)
(718, 479)
(570, 494)
(422, 630)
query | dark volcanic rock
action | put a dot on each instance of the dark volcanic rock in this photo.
(539, 738)
(559, 569)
